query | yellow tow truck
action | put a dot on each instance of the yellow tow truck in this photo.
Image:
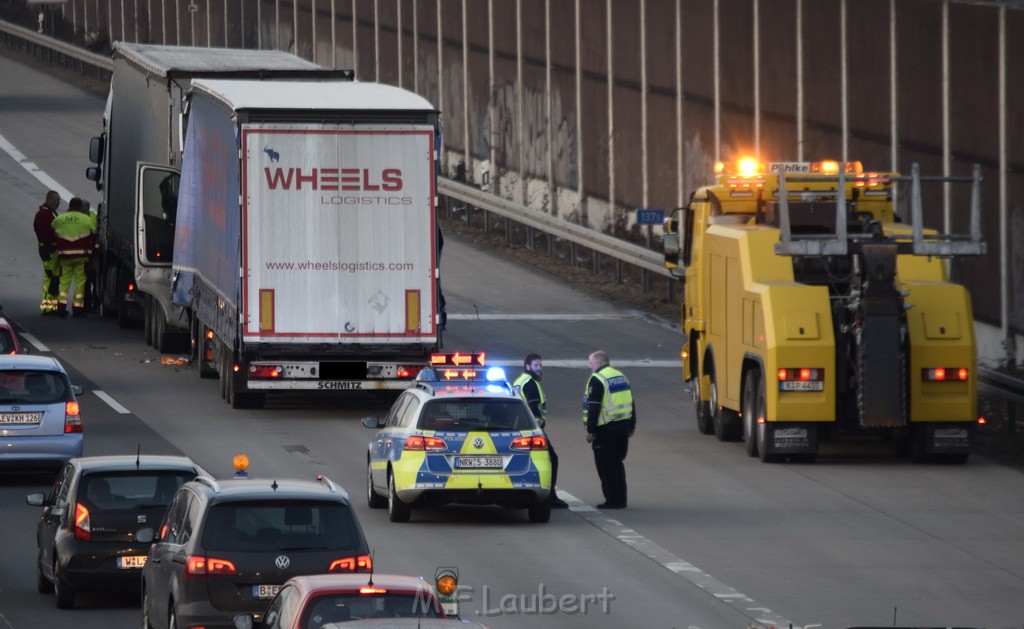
(812, 312)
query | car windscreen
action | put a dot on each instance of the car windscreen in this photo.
(330, 608)
(20, 386)
(131, 490)
(278, 525)
(470, 414)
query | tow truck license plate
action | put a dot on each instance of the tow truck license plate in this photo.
(463, 462)
(265, 591)
(130, 562)
(19, 418)
(801, 385)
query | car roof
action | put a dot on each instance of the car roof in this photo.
(123, 462)
(321, 583)
(30, 361)
(234, 489)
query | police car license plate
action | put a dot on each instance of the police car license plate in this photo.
(478, 462)
(801, 385)
(19, 418)
(130, 562)
(265, 591)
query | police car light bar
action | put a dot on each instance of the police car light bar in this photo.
(458, 359)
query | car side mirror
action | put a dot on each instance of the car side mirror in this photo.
(243, 621)
(36, 500)
(372, 422)
(145, 535)
(78, 389)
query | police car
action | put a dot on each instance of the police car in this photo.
(459, 435)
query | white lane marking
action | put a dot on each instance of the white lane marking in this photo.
(581, 363)
(112, 402)
(725, 594)
(33, 170)
(36, 343)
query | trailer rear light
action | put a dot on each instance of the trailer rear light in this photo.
(537, 442)
(83, 529)
(982, 420)
(941, 374)
(408, 372)
(265, 371)
(201, 566)
(362, 563)
(72, 419)
(420, 442)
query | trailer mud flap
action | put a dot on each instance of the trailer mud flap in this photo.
(784, 438)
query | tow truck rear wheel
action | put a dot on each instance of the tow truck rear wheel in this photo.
(754, 406)
(726, 421)
(700, 408)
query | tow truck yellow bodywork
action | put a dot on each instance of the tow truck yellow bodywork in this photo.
(814, 314)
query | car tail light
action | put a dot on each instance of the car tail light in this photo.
(72, 419)
(418, 442)
(941, 374)
(362, 563)
(537, 442)
(83, 530)
(200, 566)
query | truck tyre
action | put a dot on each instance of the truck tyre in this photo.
(700, 408)
(124, 319)
(726, 421)
(147, 320)
(762, 444)
(207, 368)
(398, 511)
(754, 406)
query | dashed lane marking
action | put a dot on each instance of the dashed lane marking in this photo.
(112, 402)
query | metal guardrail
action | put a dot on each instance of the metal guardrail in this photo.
(13, 34)
(1001, 384)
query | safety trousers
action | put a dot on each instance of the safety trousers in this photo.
(72, 268)
(51, 283)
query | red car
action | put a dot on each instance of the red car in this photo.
(328, 599)
(9, 343)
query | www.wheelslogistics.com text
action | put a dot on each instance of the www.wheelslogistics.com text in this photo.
(337, 265)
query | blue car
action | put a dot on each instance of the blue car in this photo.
(40, 422)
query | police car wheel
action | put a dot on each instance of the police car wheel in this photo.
(540, 512)
(373, 499)
(398, 511)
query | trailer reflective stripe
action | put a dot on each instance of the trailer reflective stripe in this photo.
(266, 310)
(412, 311)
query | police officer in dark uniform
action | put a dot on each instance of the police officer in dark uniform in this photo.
(610, 417)
(528, 387)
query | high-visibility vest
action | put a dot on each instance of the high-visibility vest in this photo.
(543, 404)
(76, 233)
(617, 403)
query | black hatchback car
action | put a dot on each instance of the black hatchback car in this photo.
(226, 547)
(87, 533)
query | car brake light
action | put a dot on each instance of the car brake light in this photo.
(200, 566)
(372, 590)
(72, 419)
(419, 442)
(939, 374)
(362, 563)
(83, 529)
(537, 442)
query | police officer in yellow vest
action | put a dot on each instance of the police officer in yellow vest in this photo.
(76, 236)
(527, 386)
(609, 414)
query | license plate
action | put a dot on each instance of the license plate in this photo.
(20, 418)
(478, 462)
(130, 562)
(801, 385)
(265, 591)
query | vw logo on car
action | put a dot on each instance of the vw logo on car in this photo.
(478, 443)
(282, 562)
